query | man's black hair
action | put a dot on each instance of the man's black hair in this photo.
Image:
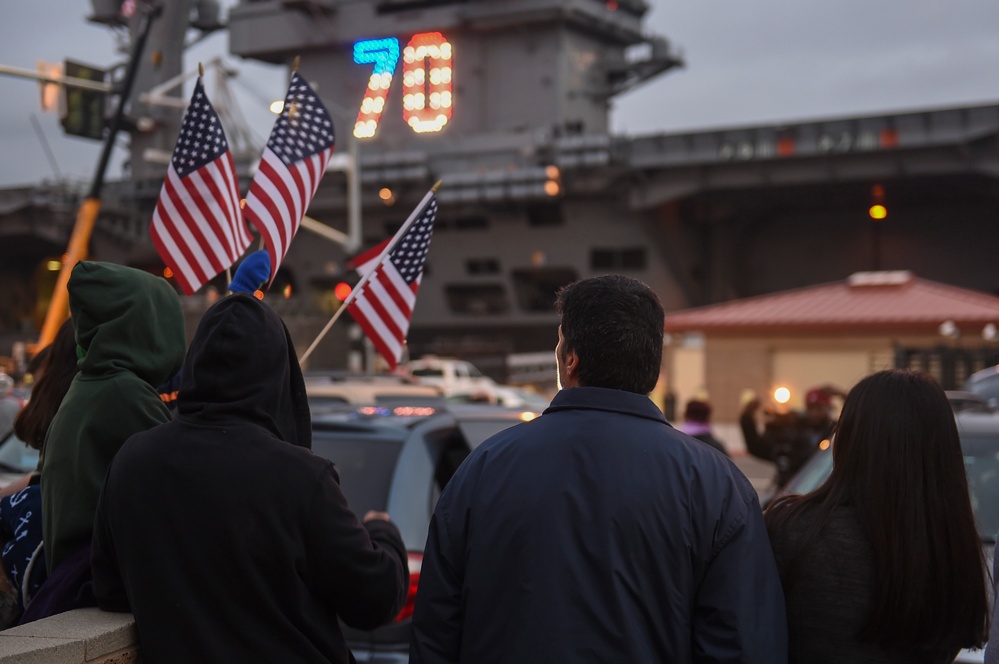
(615, 325)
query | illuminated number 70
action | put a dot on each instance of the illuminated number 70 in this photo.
(426, 78)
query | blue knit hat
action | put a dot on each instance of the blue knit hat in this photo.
(252, 273)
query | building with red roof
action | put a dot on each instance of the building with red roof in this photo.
(832, 333)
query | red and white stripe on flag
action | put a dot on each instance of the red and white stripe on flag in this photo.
(280, 196)
(366, 261)
(197, 227)
(295, 158)
(383, 304)
(383, 308)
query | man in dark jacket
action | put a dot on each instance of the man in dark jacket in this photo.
(223, 533)
(598, 533)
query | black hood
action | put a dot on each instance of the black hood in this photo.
(242, 366)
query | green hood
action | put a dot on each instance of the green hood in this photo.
(130, 318)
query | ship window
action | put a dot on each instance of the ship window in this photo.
(536, 287)
(618, 259)
(602, 259)
(482, 266)
(545, 214)
(633, 259)
(477, 299)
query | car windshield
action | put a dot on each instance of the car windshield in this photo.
(812, 474)
(428, 373)
(981, 461)
(16, 457)
(365, 467)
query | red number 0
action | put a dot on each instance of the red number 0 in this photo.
(426, 81)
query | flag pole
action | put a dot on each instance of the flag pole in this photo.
(364, 279)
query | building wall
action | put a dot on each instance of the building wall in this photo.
(734, 367)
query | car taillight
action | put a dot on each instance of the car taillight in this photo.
(415, 561)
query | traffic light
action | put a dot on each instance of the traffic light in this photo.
(84, 110)
(877, 211)
(50, 93)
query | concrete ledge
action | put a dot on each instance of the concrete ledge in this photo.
(83, 636)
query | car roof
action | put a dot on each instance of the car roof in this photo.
(984, 382)
(366, 389)
(978, 423)
(400, 418)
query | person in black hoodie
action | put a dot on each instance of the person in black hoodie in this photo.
(221, 531)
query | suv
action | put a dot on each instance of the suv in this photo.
(398, 460)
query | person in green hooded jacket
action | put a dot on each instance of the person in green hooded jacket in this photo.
(130, 338)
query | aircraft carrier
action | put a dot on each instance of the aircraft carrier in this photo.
(507, 102)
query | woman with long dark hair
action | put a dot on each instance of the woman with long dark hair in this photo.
(883, 562)
(22, 562)
(55, 375)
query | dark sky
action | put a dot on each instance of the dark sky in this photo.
(748, 62)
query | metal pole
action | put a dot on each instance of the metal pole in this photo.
(67, 81)
(353, 242)
(126, 91)
(353, 197)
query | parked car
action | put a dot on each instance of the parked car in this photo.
(985, 383)
(964, 400)
(454, 377)
(506, 395)
(333, 389)
(16, 459)
(398, 459)
(979, 431)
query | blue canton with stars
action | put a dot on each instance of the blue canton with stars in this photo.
(411, 252)
(304, 127)
(201, 139)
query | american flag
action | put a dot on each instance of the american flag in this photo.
(197, 227)
(383, 304)
(297, 152)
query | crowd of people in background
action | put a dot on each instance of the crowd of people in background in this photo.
(598, 532)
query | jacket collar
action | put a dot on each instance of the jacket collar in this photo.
(606, 399)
